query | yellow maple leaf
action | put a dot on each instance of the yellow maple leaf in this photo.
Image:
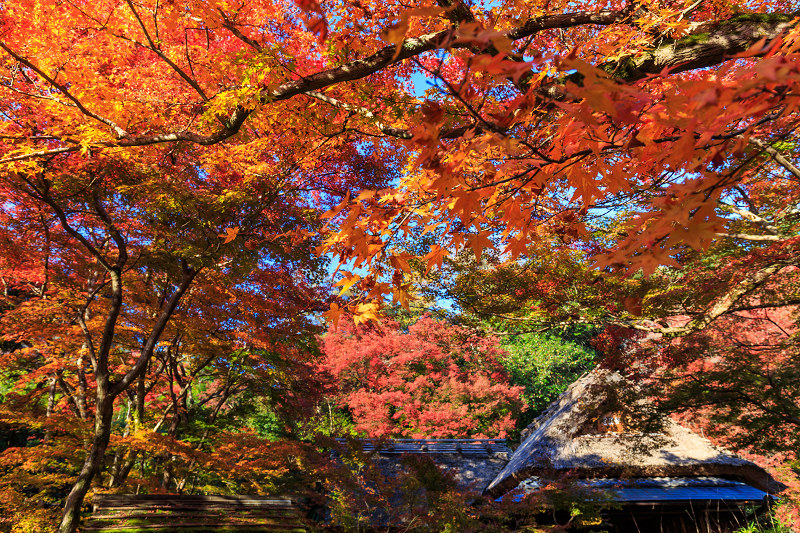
(366, 312)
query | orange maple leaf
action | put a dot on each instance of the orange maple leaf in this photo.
(229, 235)
(314, 18)
(334, 314)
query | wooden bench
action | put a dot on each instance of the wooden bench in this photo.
(192, 514)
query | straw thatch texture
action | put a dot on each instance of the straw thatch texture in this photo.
(473, 463)
(597, 428)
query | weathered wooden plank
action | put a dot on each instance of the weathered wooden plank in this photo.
(178, 505)
(189, 497)
(192, 523)
(195, 523)
(211, 517)
(195, 503)
(172, 524)
(197, 527)
(181, 513)
(193, 513)
(190, 508)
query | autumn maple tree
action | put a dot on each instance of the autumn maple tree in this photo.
(435, 380)
(622, 135)
(123, 298)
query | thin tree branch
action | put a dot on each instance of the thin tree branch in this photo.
(155, 334)
(750, 237)
(155, 49)
(63, 89)
(722, 44)
(366, 113)
(777, 156)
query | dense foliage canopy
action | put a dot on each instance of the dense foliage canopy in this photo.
(436, 380)
(174, 175)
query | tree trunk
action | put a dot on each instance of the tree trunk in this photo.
(122, 472)
(106, 392)
(122, 465)
(92, 464)
(51, 403)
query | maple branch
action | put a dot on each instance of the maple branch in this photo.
(122, 250)
(69, 392)
(185, 389)
(31, 137)
(366, 113)
(40, 153)
(728, 395)
(42, 194)
(415, 46)
(87, 335)
(691, 52)
(156, 50)
(777, 156)
(107, 338)
(752, 217)
(789, 302)
(39, 96)
(231, 27)
(457, 11)
(158, 328)
(456, 93)
(353, 70)
(114, 272)
(727, 302)
(751, 237)
(400, 133)
(535, 25)
(63, 89)
(611, 148)
(723, 43)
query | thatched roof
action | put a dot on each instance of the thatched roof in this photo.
(598, 429)
(473, 463)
